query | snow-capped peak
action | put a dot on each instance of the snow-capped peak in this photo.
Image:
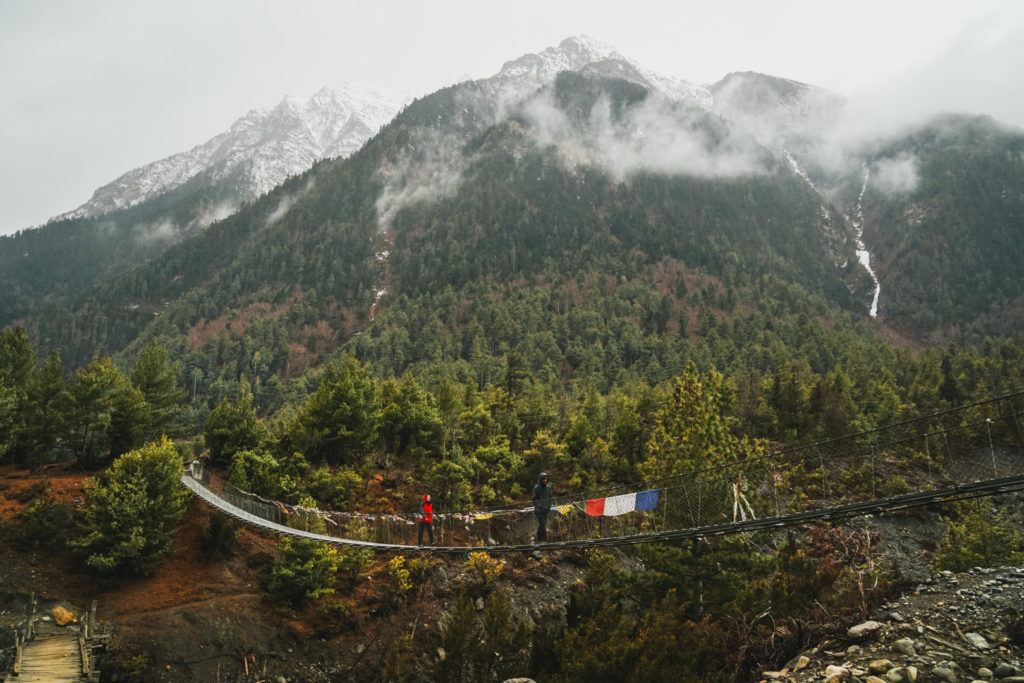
(583, 53)
(262, 148)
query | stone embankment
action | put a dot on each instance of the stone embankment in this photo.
(954, 628)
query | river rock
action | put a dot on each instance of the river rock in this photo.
(905, 646)
(977, 640)
(880, 666)
(864, 629)
(941, 673)
(897, 676)
(1004, 670)
(985, 673)
(835, 672)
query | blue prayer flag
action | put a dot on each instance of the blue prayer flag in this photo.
(647, 500)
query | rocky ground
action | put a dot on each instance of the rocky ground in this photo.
(951, 628)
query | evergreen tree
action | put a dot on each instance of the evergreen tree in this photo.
(693, 430)
(108, 414)
(408, 418)
(233, 426)
(43, 429)
(132, 510)
(340, 420)
(157, 378)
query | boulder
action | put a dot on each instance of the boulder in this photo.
(62, 616)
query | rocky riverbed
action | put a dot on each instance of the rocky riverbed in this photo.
(952, 628)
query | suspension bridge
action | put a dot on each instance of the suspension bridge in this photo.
(966, 452)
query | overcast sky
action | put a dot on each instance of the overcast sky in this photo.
(89, 90)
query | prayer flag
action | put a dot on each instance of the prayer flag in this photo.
(647, 500)
(619, 505)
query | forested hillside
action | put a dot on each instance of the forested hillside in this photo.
(945, 215)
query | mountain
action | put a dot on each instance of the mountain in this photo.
(596, 225)
(142, 213)
(260, 149)
(447, 218)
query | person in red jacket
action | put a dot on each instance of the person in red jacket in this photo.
(426, 519)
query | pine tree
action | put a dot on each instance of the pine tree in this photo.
(43, 429)
(341, 418)
(157, 378)
(107, 416)
(693, 429)
(233, 426)
(132, 510)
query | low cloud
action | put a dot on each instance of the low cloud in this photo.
(426, 175)
(163, 230)
(896, 175)
(285, 203)
(217, 212)
(654, 136)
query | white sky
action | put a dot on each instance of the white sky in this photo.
(89, 90)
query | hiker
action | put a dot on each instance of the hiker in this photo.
(541, 506)
(426, 519)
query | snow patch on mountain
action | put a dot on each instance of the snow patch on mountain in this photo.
(261, 149)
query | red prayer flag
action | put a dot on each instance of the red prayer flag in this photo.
(595, 507)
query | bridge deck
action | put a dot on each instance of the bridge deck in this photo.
(859, 509)
(56, 659)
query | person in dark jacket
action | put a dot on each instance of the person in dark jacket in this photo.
(426, 519)
(541, 506)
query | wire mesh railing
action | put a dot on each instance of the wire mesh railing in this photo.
(964, 452)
